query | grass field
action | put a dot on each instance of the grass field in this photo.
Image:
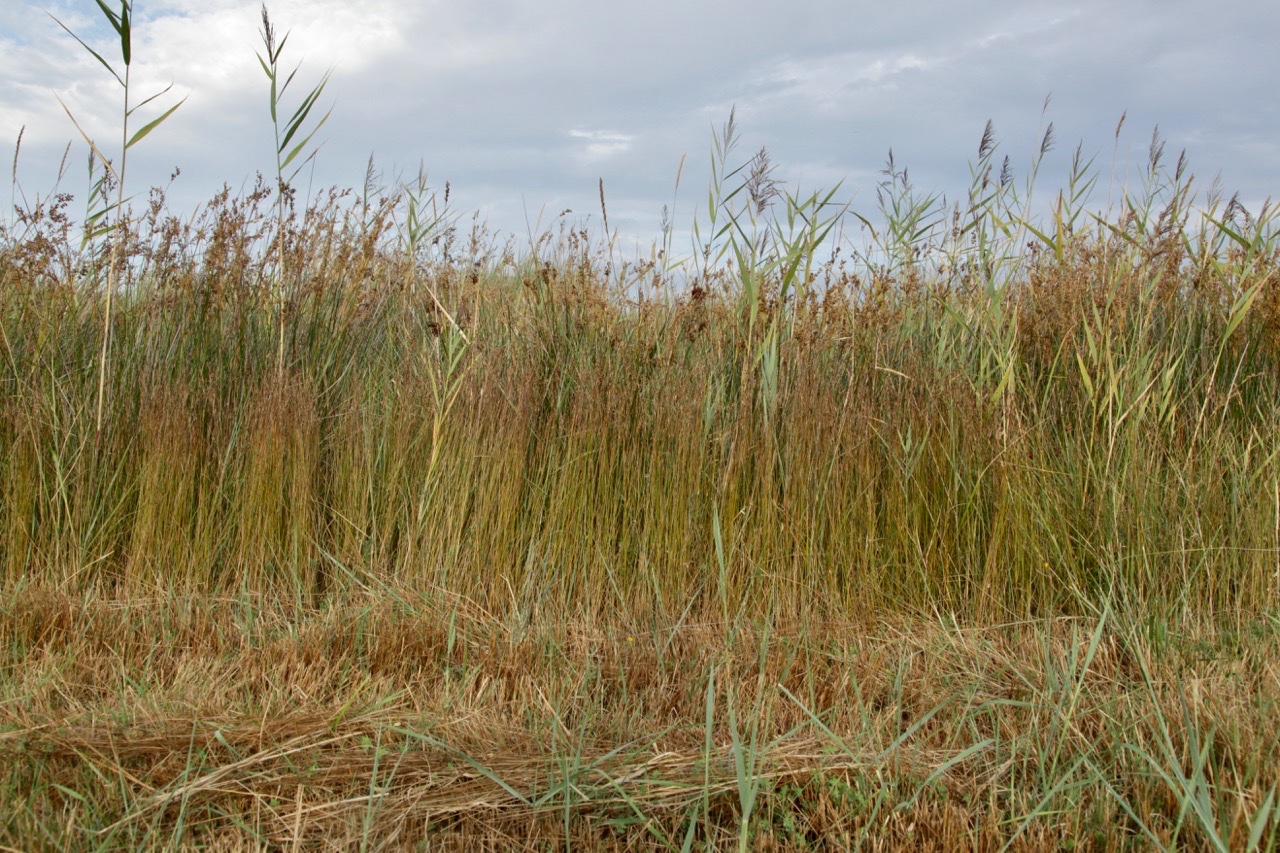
(336, 524)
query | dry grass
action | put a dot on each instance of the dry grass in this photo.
(250, 722)
(386, 533)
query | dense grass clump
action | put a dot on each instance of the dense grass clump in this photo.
(938, 526)
(996, 436)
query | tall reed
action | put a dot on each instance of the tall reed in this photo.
(1091, 425)
(285, 156)
(99, 223)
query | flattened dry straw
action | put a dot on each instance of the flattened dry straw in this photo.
(421, 779)
(865, 733)
(370, 724)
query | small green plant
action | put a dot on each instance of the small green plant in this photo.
(111, 216)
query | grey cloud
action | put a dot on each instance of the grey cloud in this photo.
(523, 105)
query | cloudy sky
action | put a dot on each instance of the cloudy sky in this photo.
(523, 107)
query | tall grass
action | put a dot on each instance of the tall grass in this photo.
(1097, 418)
(100, 222)
(287, 150)
(968, 532)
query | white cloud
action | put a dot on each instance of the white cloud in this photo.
(600, 144)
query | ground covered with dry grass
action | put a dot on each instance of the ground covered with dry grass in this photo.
(238, 721)
(340, 526)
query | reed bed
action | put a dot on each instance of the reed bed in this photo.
(344, 523)
(553, 429)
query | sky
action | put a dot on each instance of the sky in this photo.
(523, 108)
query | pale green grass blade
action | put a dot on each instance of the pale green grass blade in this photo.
(152, 125)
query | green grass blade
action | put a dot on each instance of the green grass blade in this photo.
(126, 33)
(299, 116)
(303, 144)
(1260, 819)
(92, 52)
(152, 125)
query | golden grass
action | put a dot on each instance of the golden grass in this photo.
(253, 722)
(948, 543)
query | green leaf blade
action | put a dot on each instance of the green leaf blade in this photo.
(152, 125)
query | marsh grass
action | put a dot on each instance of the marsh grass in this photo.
(106, 217)
(290, 144)
(967, 535)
